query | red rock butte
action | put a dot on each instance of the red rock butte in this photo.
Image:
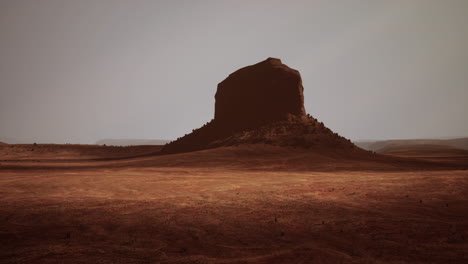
(259, 94)
(262, 103)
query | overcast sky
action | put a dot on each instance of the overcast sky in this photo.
(79, 71)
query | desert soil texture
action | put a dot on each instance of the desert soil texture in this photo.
(239, 204)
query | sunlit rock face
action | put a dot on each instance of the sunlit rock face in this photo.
(259, 94)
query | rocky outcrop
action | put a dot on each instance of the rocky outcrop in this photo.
(259, 94)
(261, 103)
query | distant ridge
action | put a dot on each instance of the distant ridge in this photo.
(381, 145)
(9, 140)
(131, 142)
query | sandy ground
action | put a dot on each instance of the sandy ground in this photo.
(72, 152)
(162, 210)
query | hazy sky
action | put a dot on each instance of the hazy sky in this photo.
(83, 70)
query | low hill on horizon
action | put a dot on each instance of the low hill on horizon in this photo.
(131, 142)
(422, 150)
(380, 145)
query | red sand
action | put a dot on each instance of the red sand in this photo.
(251, 204)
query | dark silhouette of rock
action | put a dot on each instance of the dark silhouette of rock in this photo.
(262, 103)
(259, 94)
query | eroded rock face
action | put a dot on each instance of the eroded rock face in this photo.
(260, 104)
(259, 94)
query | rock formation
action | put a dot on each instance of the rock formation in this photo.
(259, 94)
(261, 103)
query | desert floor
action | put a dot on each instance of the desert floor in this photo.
(157, 209)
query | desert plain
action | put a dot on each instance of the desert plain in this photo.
(238, 204)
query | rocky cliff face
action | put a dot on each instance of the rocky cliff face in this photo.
(262, 103)
(259, 94)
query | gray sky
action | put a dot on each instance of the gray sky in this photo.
(84, 70)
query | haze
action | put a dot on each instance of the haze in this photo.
(81, 71)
